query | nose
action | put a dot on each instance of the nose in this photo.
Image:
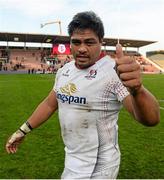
(82, 49)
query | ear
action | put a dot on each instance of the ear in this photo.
(101, 40)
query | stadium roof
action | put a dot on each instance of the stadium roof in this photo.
(49, 38)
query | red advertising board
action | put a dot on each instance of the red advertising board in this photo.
(61, 49)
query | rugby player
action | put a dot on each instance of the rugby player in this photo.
(88, 94)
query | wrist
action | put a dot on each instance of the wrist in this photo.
(17, 135)
(135, 91)
(25, 128)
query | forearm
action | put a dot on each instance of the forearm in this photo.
(45, 109)
(145, 107)
(41, 114)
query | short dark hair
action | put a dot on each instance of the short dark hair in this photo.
(87, 20)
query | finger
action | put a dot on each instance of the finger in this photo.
(130, 76)
(8, 145)
(13, 148)
(129, 67)
(132, 84)
(119, 51)
(8, 148)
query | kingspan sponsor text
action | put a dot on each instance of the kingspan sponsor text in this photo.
(71, 99)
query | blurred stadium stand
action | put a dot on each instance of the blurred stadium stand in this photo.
(42, 60)
(157, 57)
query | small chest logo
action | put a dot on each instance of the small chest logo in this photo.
(92, 74)
(66, 73)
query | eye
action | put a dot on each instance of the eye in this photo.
(90, 43)
(75, 42)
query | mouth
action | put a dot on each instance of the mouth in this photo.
(82, 58)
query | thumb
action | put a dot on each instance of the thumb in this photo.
(119, 51)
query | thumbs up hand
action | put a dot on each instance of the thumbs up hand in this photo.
(128, 70)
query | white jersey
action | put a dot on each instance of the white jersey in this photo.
(89, 101)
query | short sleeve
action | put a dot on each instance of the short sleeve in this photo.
(119, 89)
(56, 79)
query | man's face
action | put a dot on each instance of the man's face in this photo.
(85, 47)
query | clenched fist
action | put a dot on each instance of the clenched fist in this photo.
(128, 70)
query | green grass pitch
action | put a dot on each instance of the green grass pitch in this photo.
(41, 156)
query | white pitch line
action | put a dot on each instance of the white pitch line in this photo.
(162, 108)
(161, 100)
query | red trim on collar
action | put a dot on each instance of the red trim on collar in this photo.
(102, 54)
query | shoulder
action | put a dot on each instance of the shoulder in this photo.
(107, 65)
(68, 65)
(106, 62)
(65, 67)
(108, 59)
